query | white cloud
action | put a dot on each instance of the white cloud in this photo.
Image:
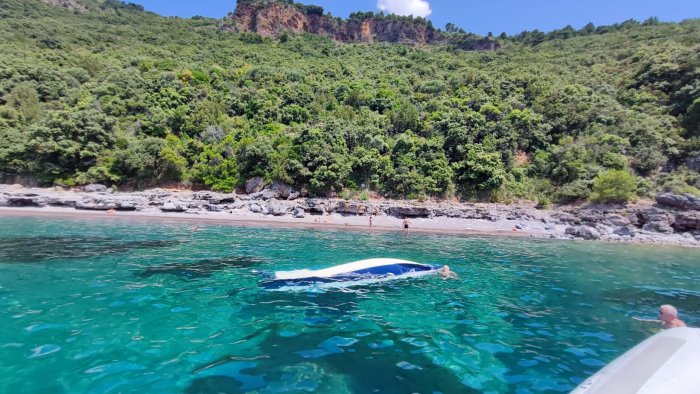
(405, 7)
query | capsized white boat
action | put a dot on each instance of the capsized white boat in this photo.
(668, 362)
(351, 274)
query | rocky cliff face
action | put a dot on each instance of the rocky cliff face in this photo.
(270, 19)
(69, 4)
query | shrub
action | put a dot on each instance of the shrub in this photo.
(577, 190)
(614, 186)
(645, 187)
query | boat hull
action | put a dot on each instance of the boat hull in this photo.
(358, 273)
(667, 362)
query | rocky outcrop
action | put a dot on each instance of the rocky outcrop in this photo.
(272, 18)
(585, 232)
(282, 189)
(68, 4)
(680, 201)
(687, 222)
(254, 185)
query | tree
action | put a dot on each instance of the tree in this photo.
(615, 186)
(65, 142)
(321, 159)
(25, 99)
(148, 161)
(481, 170)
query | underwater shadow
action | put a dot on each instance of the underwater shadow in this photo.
(37, 249)
(201, 268)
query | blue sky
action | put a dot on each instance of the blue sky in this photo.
(477, 16)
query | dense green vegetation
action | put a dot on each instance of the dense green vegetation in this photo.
(127, 97)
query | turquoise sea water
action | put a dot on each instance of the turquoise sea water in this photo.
(118, 306)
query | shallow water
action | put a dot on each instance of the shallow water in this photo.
(105, 306)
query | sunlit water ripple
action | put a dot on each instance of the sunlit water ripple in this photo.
(106, 307)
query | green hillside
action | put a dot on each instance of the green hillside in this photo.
(126, 97)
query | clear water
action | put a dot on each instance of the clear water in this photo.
(114, 306)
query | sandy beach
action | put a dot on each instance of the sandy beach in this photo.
(501, 228)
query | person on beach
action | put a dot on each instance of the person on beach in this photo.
(111, 211)
(668, 317)
(370, 222)
(445, 273)
(406, 222)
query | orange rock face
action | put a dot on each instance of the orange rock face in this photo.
(272, 19)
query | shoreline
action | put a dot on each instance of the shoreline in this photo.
(645, 222)
(242, 220)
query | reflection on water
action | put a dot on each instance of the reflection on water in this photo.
(156, 308)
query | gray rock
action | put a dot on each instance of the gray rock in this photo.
(60, 202)
(316, 206)
(174, 206)
(255, 208)
(156, 193)
(584, 232)
(298, 213)
(276, 210)
(567, 218)
(615, 220)
(254, 185)
(130, 205)
(293, 196)
(212, 197)
(283, 190)
(449, 212)
(658, 226)
(24, 201)
(624, 232)
(269, 194)
(95, 204)
(3, 201)
(408, 211)
(687, 221)
(95, 188)
(354, 208)
(680, 201)
(213, 208)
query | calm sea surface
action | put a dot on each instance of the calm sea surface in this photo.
(112, 306)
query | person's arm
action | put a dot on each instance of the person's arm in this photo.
(646, 320)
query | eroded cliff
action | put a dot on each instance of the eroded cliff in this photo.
(272, 18)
